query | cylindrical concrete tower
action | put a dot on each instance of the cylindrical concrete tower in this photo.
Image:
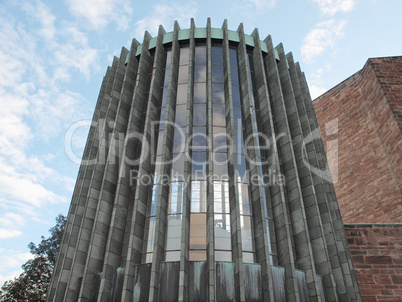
(204, 178)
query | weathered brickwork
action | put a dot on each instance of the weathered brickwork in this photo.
(360, 120)
(377, 256)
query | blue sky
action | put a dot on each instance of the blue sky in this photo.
(53, 55)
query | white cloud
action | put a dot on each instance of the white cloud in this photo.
(165, 15)
(9, 233)
(324, 35)
(316, 91)
(331, 7)
(263, 4)
(99, 13)
(11, 264)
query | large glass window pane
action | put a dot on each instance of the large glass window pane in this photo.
(150, 234)
(217, 74)
(196, 255)
(235, 76)
(172, 256)
(199, 164)
(179, 140)
(200, 93)
(200, 114)
(244, 201)
(219, 139)
(198, 196)
(183, 74)
(237, 116)
(177, 172)
(174, 226)
(176, 198)
(200, 73)
(200, 55)
(248, 257)
(198, 231)
(184, 55)
(181, 94)
(180, 117)
(220, 165)
(199, 139)
(159, 147)
(223, 256)
(236, 96)
(218, 94)
(239, 141)
(217, 55)
(218, 115)
(221, 197)
(233, 57)
(164, 97)
(241, 168)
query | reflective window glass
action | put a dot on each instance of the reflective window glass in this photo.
(172, 256)
(199, 139)
(235, 76)
(200, 93)
(159, 147)
(180, 116)
(200, 55)
(200, 73)
(237, 116)
(198, 231)
(217, 55)
(223, 256)
(195, 255)
(199, 114)
(236, 96)
(218, 115)
(179, 140)
(220, 164)
(198, 196)
(217, 74)
(183, 74)
(174, 226)
(222, 228)
(148, 258)
(175, 198)
(233, 57)
(164, 97)
(219, 139)
(177, 172)
(150, 234)
(241, 168)
(244, 201)
(168, 58)
(181, 94)
(218, 94)
(184, 56)
(239, 141)
(221, 197)
(248, 257)
(199, 165)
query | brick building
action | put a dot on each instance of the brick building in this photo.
(361, 121)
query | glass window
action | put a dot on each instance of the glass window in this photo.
(200, 55)
(181, 94)
(177, 172)
(199, 139)
(217, 55)
(241, 168)
(248, 257)
(219, 115)
(237, 116)
(200, 93)
(197, 255)
(159, 147)
(200, 73)
(176, 198)
(244, 201)
(239, 141)
(183, 74)
(236, 96)
(218, 94)
(198, 196)
(179, 140)
(220, 165)
(174, 226)
(172, 256)
(233, 57)
(164, 97)
(184, 56)
(219, 139)
(235, 76)
(148, 258)
(150, 234)
(200, 114)
(221, 197)
(223, 256)
(217, 74)
(199, 165)
(168, 58)
(180, 118)
(198, 231)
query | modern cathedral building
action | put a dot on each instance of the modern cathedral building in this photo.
(204, 178)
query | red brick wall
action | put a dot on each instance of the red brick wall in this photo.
(366, 111)
(377, 256)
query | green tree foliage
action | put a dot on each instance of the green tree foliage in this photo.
(33, 283)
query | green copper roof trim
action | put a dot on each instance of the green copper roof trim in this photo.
(217, 33)
(201, 33)
(139, 48)
(152, 43)
(168, 37)
(249, 40)
(233, 36)
(184, 34)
